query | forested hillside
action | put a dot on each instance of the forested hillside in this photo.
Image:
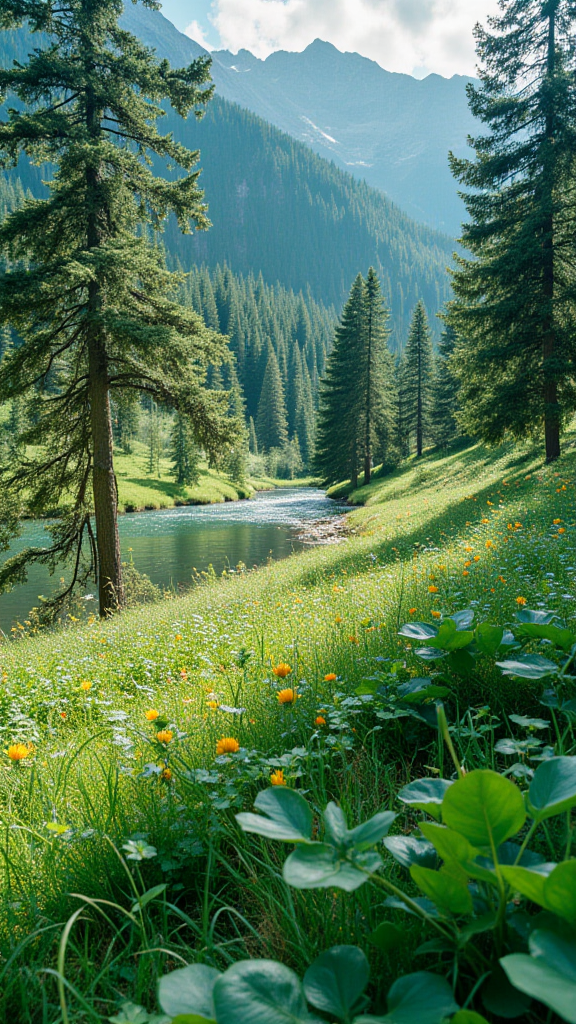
(278, 209)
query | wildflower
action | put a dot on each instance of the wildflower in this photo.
(521, 601)
(287, 696)
(476, 558)
(213, 704)
(227, 745)
(63, 715)
(86, 685)
(517, 526)
(164, 736)
(166, 775)
(151, 715)
(184, 674)
(277, 778)
(282, 670)
(178, 636)
(465, 573)
(466, 564)
(18, 751)
(338, 620)
(436, 615)
(432, 589)
(485, 520)
(501, 579)
(556, 521)
(353, 639)
(489, 544)
(330, 678)
(411, 611)
(561, 529)
(468, 548)
(319, 720)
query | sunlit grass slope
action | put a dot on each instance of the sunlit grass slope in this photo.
(470, 528)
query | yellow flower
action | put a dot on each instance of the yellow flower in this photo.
(436, 615)
(319, 720)
(330, 678)
(277, 778)
(432, 590)
(213, 704)
(166, 775)
(556, 521)
(485, 520)
(227, 745)
(353, 639)
(465, 573)
(287, 696)
(521, 601)
(151, 715)
(18, 751)
(338, 620)
(164, 736)
(282, 670)
(517, 526)
(85, 685)
(489, 544)
(178, 636)
(467, 563)
(476, 558)
(561, 529)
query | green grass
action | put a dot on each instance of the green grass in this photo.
(326, 611)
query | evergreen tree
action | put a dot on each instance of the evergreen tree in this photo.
(252, 439)
(184, 452)
(403, 443)
(376, 401)
(445, 397)
(236, 462)
(418, 379)
(87, 291)
(515, 302)
(271, 422)
(337, 445)
(153, 441)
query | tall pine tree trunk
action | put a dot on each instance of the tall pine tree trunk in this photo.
(110, 588)
(419, 405)
(367, 443)
(551, 405)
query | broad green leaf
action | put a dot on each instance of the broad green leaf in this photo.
(540, 616)
(318, 866)
(463, 619)
(468, 1017)
(553, 788)
(528, 881)
(408, 850)
(563, 638)
(484, 807)
(288, 816)
(418, 690)
(542, 981)
(335, 821)
(556, 948)
(450, 845)
(501, 998)
(530, 723)
(430, 653)
(528, 666)
(449, 638)
(189, 990)
(560, 891)
(488, 638)
(425, 795)
(461, 662)
(337, 978)
(372, 831)
(448, 891)
(418, 630)
(419, 998)
(191, 1018)
(260, 992)
(146, 897)
(386, 937)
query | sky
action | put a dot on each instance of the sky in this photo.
(418, 37)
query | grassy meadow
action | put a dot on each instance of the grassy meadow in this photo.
(124, 787)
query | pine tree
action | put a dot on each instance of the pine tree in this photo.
(252, 439)
(376, 402)
(271, 422)
(153, 441)
(236, 462)
(337, 446)
(87, 291)
(515, 299)
(403, 427)
(418, 379)
(184, 452)
(445, 396)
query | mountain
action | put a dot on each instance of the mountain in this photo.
(390, 129)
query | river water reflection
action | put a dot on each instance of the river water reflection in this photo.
(169, 544)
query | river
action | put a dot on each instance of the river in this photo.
(169, 544)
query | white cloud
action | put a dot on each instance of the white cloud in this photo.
(401, 35)
(196, 32)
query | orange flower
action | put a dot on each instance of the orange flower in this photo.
(287, 696)
(353, 639)
(338, 620)
(213, 704)
(277, 778)
(489, 544)
(432, 589)
(561, 529)
(436, 615)
(466, 564)
(501, 579)
(319, 720)
(282, 670)
(85, 685)
(164, 736)
(517, 526)
(62, 714)
(166, 775)
(411, 611)
(178, 636)
(18, 751)
(521, 601)
(556, 521)
(485, 520)
(465, 573)
(151, 715)
(227, 745)
(476, 558)
(330, 678)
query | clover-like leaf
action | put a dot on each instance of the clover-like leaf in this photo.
(528, 666)
(425, 795)
(189, 990)
(318, 866)
(419, 998)
(418, 630)
(484, 807)
(553, 788)
(285, 816)
(337, 978)
(261, 992)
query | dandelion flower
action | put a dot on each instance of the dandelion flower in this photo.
(521, 601)
(164, 736)
(282, 670)
(277, 778)
(338, 620)
(330, 678)
(432, 589)
(485, 520)
(287, 696)
(86, 685)
(213, 704)
(178, 636)
(319, 720)
(227, 745)
(151, 715)
(18, 751)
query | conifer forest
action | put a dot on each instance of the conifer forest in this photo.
(287, 513)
